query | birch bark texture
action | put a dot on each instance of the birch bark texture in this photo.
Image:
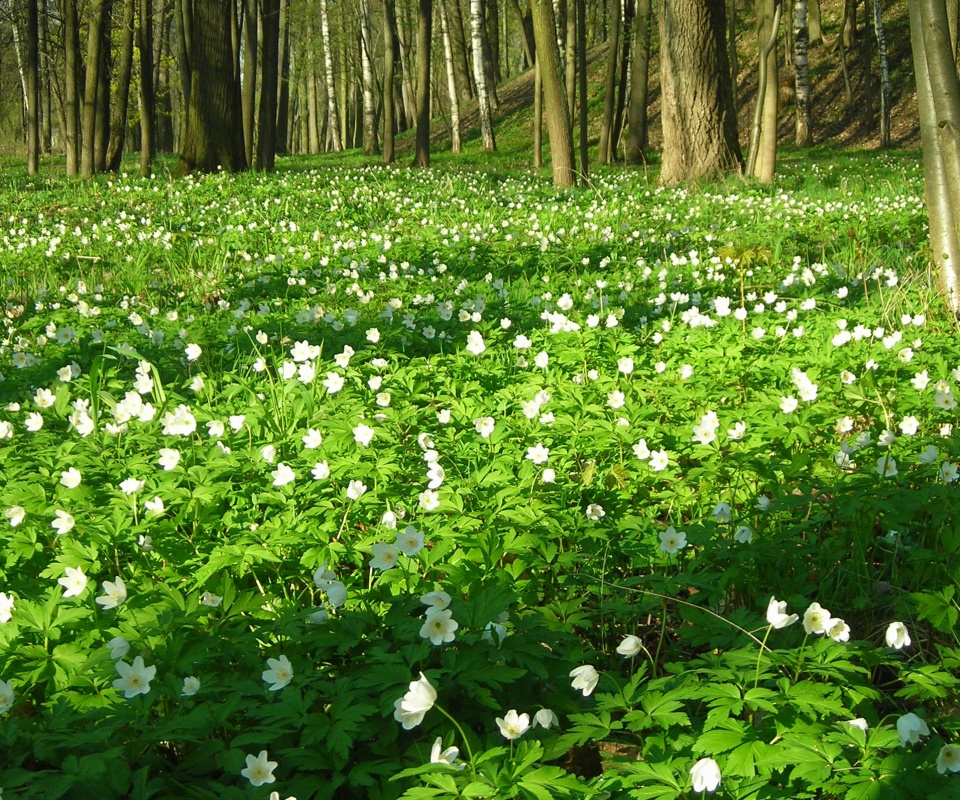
(884, 75)
(456, 144)
(480, 75)
(699, 122)
(334, 118)
(801, 71)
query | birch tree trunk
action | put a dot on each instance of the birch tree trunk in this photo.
(334, 120)
(570, 55)
(801, 70)
(480, 75)
(554, 93)
(455, 143)
(884, 75)
(424, 37)
(637, 139)
(366, 74)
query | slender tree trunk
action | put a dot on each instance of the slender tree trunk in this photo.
(96, 35)
(102, 125)
(639, 86)
(537, 115)
(313, 102)
(455, 143)
(623, 72)
(366, 71)
(763, 142)
(491, 10)
(33, 88)
(283, 89)
(609, 84)
(570, 54)
(732, 56)
(184, 38)
(582, 75)
(408, 93)
(334, 120)
(953, 21)
(71, 49)
(424, 39)
(699, 122)
(343, 90)
(269, 84)
(121, 106)
(802, 74)
(848, 30)
(489, 64)
(148, 104)
(554, 93)
(526, 32)
(480, 76)
(814, 23)
(214, 134)
(938, 98)
(47, 81)
(248, 89)
(461, 59)
(389, 62)
(884, 75)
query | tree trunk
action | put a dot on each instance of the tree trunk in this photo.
(637, 139)
(609, 83)
(148, 100)
(732, 57)
(366, 72)
(118, 125)
(33, 88)
(389, 61)
(953, 21)
(699, 123)
(455, 143)
(248, 88)
(848, 30)
(491, 10)
(313, 103)
(763, 141)
(71, 49)
(801, 70)
(48, 80)
(102, 126)
(334, 120)
(582, 74)
(814, 23)
(461, 60)
(537, 116)
(480, 75)
(269, 77)
(424, 37)
(554, 93)
(408, 94)
(570, 56)
(283, 88)
(214, 131)
(938, 98)
(884, 76)
(95, 39)
(626, 28)
(526, 32)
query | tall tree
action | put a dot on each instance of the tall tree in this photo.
(801, 71)
(424, 39)
(269, 72)
(71, 49)
(884, 75)
(763, 141)
(118, 125)
(367, 81)
(556, 108)
(456, 144)
(97, 33)
(938, 99)
(609, 84)
(214, 130)
(389, 63)
(334, 119)
(699, 122)
(33, 88)
(480, 75)
(148, 99)
(639, 85)
(248, 80)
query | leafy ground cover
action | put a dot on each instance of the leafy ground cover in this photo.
(361, 482)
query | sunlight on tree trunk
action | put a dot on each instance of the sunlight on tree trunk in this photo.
(801, 69)
(556, 109)
(884, 75)
(762, 160)
(424, 37)
(455, 143)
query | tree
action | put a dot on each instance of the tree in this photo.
(366, 74)
(938, 99)
(33, 88)
(639, 86)
(334, 118)
(97, 34)
(455, 141)
(613, 56)
(424, 37)
(269, 74)
(762, 159)
(480, 75)
(148, 99)
(389, 62)
(71, 110)
(556, 109)
(699, 121)
(884, 76)
(801, 71)
(118, 125)
(214, 131)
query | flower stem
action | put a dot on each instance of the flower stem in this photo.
(756, 676)
(466, 741)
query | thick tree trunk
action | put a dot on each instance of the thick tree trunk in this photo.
(214, 133)
(33, 88)
(313, 104)
(424, 39)
(148, 99)
(408, 92)
(626, 29)
(102, 125)
(491, 10)
(637, 139)
(884, 75)
(801, 69)
(480, 75)
(71, 49)
(368, 81)
(389, 62)
(455, 142)
(121, 105)
(699, 123)
(49, 84)
(732, 56)
(609, 83)
(938, 98)
(570, 55)
(269, 76)
(334, 119)
(184, 37)
(95, 41)
(554, 93)
(763, 142)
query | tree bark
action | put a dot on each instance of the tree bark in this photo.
(148, 99)
(554, 93)
(334, 119)
(570, 55)
(637, 139)
(424, 38)
(848, 30)
(732, 56)
(582, 75)
(814, 23)
(609, 83)
(389, 61)
(95, 39)
(33, 88)
(269, 76)
(368, 81)
(763, 142)
(526, 32)
(458, 41)
(537, 115)
(801, 68)
(938, 99)
(283, 87)
(121, 106)
(480, 76)
(248, 88)
(884, 75)
(455, 141)
(71, 49)
(214, 131)
(699, 123)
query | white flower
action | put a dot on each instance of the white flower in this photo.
(484, 426)
(320, 471)
(409, 541)
(436, 600)
(410, 709)
(429, 500)
(134, 678)
(839, 631)
(538, 454)
(705, 775)
(6, 607)
(63, 523)
(283, 475)
(630, 646)
(672, 540)
(6, 696)
(788, 404)
(513, 725)
(385, 556)
(897, 636)
(74, 582)
(541, 360)
(886, 466)
(585, 679)
(210, 599)
(722, 512)
(131, 486)
(948, 759)
(15, 515)
(737, 432)
(259, 770)
(70, 478)
(859, 722)
(34, 422)
(929, 455)
(192, 352)
(595, 512)
(439, 626)
(179, 422)
(777, 614)
(363, 434)
(659, 460)
(475, 343)
(115, 593)
(168, 458)
(440, 756)
(816, 619)
(949, 472)
(333, 382)
(118, 647)
(356, 489)
(155, 506)
(191, 685)
(910, 728)
(744, 534)
(278, 674)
